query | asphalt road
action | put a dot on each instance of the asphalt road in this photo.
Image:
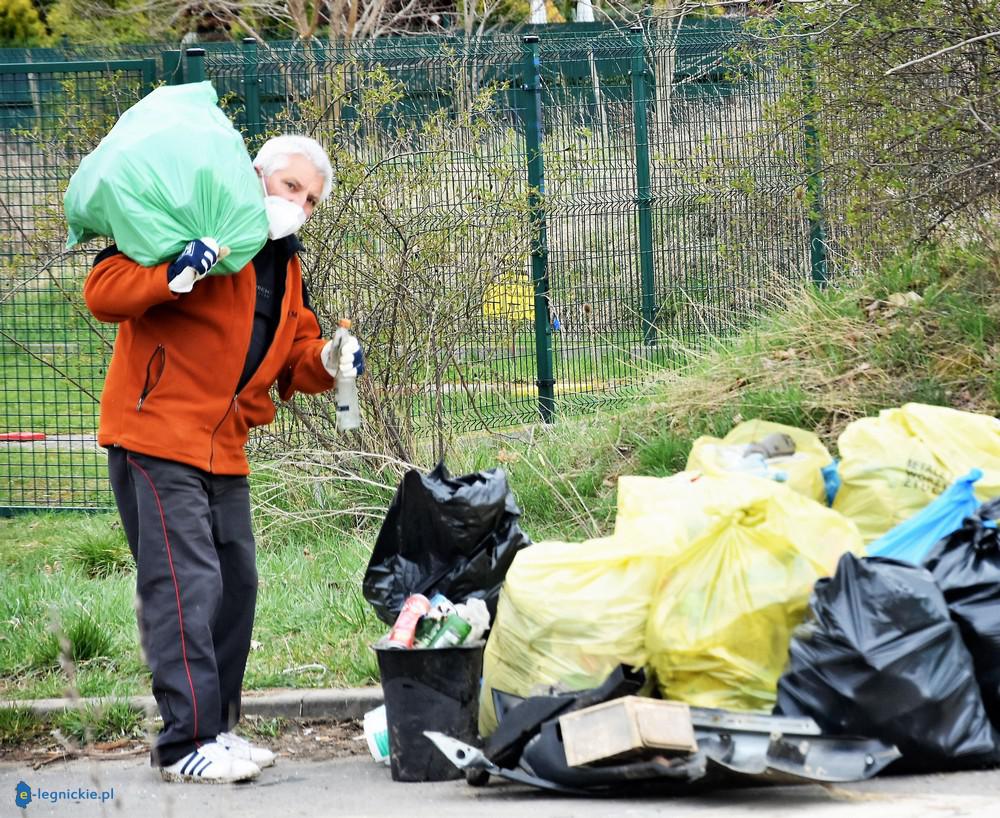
(358, 786)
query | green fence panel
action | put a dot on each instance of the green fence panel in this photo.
(519, 229)
(53, 354)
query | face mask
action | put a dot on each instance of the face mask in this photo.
(283, 217)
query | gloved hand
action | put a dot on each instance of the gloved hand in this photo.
(342, 357)
(193, 264)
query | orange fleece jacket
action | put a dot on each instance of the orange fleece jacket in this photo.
(170, 391)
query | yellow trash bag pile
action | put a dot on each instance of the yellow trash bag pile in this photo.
(703, 576)
(651, 509)
(568, 614)
(722, 616)
(802, 470)
(895, 464)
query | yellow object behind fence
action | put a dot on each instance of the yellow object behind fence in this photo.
(511, 298)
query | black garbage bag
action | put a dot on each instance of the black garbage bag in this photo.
(521, 718)
(451, 535)
(880, 656)
(966, 567)
(529, 737)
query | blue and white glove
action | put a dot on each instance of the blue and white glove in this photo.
(192, 265)
(352, 359)
(342, 357)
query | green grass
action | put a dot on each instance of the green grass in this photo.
(263, 728)
(80, 640)
(826, 358)
(18, 725)
(111, 722)
(86, 725)
(100, 549)
(72, 572)
(662, 453)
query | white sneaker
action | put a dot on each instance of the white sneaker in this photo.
(211, 764)
(240, 748)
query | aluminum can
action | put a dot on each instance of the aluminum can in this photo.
(405, 627)
(452, 632)
(426, 628)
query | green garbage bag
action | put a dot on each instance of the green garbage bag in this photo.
(172, 169)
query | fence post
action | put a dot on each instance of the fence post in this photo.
(148, 75)
(643, 192)
(251, 86)
(531, 103)
(814, 178)
(172, 72)
(195, 65)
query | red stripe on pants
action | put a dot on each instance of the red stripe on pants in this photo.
(177, 592)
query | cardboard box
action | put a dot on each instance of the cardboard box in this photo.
(625, 728)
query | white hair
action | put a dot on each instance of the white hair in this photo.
(274, 154)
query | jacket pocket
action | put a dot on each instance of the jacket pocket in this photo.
(154, 371)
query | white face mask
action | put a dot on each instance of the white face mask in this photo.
(283, 217)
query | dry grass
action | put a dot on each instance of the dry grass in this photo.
(831, 357)
(818, 360)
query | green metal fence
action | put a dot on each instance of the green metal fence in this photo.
(522, 226)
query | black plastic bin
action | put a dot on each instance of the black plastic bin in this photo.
(429, 689)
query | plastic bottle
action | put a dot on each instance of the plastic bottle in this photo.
(348, 411)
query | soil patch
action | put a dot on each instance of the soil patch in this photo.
(317, 740)
(303, 739)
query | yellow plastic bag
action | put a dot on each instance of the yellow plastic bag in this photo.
(721, 619)
(895, 464)
(803, 469)
(568, 614)
(650, 509)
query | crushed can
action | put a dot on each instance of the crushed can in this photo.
(404, 630)
(441, 608)
(426, 628)
(452, 631)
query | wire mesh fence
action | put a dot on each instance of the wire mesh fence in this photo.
(52, 352)
(521, 227)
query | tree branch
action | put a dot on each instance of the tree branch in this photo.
(941, 51)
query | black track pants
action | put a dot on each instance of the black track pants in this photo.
(196, 584)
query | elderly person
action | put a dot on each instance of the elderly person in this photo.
(193, 363)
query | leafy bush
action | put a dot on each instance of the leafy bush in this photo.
(905, 95)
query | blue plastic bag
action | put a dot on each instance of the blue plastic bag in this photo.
(831, 481)
(912, 540)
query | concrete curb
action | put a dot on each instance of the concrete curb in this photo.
(326, 703)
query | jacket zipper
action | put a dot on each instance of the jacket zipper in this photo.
(148, 387)
(233, 404)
